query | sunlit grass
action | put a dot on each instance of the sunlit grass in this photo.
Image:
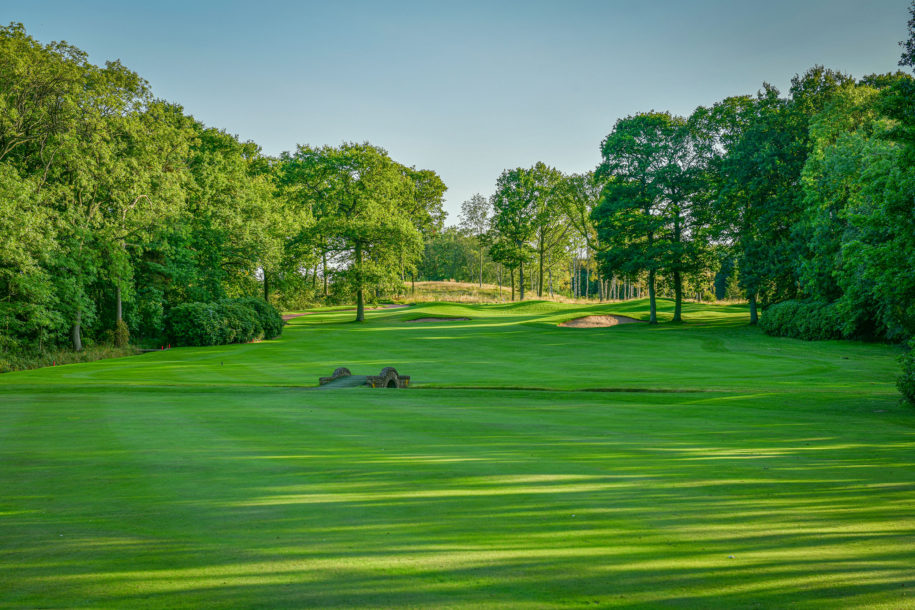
(779, 474)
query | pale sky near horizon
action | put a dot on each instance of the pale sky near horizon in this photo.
(464, 88)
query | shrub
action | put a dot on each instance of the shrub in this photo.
(227, 321)
(270, 319)
(192, 324)
(813, 321)
(236, 323)
(121, 334)
(906, 382)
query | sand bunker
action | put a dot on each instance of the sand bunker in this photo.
(599, 321)
(437, 320)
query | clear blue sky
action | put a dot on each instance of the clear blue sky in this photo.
(464, 88)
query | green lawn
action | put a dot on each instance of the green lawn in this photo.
(717, 468)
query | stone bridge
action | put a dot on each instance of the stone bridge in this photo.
(387, 378)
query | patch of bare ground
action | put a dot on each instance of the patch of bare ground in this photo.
(602, 321)
(437, 320)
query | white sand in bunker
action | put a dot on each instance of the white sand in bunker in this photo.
(600, 321)
(437, 320)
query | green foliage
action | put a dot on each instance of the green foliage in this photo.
(121, 334)
(908, 45)
(632, 216)
(226, 321)
(235, 323)
(813, 321)
(525, 207)
(476, 219)
(906, 381)
(450, 255)
(105, 190)
(270, 322)
(857, 234)
(370, 213)
(193, 324)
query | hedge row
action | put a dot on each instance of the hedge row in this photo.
(227, 321)
(814, 320)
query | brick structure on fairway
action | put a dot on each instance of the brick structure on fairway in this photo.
(387, 378)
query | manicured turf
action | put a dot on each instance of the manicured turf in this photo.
(763, 473)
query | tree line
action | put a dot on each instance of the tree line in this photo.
(771, 198)
(116, 207)
(800, 202)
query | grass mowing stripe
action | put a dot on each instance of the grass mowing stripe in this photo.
(182, 482)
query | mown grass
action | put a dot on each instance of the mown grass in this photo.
(771, 473)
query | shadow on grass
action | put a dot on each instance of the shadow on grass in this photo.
(274, 499)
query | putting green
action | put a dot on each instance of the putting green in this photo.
(739, 470)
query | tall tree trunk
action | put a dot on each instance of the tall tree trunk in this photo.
(678, 297)
(512, 271)
(360, 298)
(540, 281)
(481, 263)
(577, 277)
(75, 332)
(521, 281)
(412, 283)
(324, 271)
(266, 288)
(314, 278)
(572, 278)
(576, 264)
(118, 303)
(587, 280)
(551, 281)
(754, 315)
(653, 315)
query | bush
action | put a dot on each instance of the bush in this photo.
(813, 321)
(236, 323)
(192, 324)
(906, 382)
(121, 334)
(270, 319)
(227, 321)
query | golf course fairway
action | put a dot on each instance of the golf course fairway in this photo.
(694, 465)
